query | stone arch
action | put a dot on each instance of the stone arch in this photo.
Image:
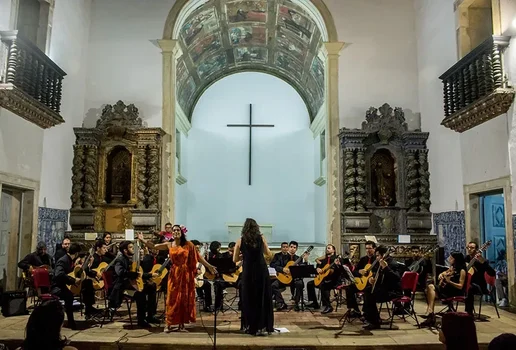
(327, 117)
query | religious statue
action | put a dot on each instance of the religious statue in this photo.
(383, 179)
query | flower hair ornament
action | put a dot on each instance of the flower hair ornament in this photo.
(184, 230)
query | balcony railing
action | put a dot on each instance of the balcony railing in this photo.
(475, 88)
(30, 82)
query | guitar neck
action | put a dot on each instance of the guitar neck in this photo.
(162, 267)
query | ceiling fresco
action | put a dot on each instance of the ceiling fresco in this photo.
(227, 36)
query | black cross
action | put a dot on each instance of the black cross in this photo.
(250, 126)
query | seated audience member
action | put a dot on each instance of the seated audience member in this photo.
(43, 330)
(458, 331)
(504, 341)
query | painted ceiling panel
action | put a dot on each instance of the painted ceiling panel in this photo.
(228, 36)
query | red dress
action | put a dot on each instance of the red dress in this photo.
(181, 284)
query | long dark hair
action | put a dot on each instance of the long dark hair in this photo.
(182, 240)
(43, 330)
(459, 331)
(460, 261)
(251, 233)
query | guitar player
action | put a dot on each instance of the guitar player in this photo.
(122, 281)
(279, 261)
(88, 293)
(214, 258)
(329, 283)
(351, 290)
(478, 281)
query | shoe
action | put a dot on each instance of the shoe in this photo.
(143, 324)
(281, 307)
(208, 309)
(429, 322)
(371, 326)
(297, 308)
(313, 306)
(327, 310)
(153, 319)
(503, 303)
(354, 314)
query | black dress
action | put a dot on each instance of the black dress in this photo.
(257, 311)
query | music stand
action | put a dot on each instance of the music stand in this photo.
(302, 271)
(224, 265)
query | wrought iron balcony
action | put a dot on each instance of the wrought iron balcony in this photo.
(30, 82)
(475, 89)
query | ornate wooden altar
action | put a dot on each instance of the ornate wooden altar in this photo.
(116, 178)
(385, 182)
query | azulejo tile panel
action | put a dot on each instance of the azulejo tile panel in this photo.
(450, 229)
(52, 224)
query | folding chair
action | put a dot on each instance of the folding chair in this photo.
(490, 280)
(107, 277)
(458, 299)
(408, 283)
(41, 280)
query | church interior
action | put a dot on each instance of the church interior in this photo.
(330, 122)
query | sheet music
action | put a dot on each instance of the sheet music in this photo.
(272, 271)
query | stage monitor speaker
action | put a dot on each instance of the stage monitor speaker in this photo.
(14, 303)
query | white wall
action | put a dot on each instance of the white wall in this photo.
(181, 191)
(378, 63)
(123, 63)
(320, 202)
(69, 47)
(436, 52)
(5, 14)
(282, 191)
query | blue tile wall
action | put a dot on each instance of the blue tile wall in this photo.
(52, 224)
(450, 228)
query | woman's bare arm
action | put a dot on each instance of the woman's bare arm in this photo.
(266, 249)
(151, 245)
(206, 264)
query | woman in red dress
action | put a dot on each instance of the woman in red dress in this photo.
(181, 278)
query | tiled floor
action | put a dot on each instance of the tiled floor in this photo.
(306, 330)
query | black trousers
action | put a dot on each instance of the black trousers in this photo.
(88, 295)
(380, 295)
(475, 289)
(146, 302)
(298, 290)
(219, 286)
(67, 296)
(204, 292)
(325, 287)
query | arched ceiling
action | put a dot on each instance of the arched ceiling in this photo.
(222, 37)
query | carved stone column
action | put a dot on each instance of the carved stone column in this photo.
(350, 203)
(153, 188)
(141, 187)
(412, 179)
(90, 176)
(332, 142)
(169, 51)
(424, 182)
(360, 181)
(77, 176)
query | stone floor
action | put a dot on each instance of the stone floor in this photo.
(306, 330)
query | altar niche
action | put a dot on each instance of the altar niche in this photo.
(385, 185)
(118, 176)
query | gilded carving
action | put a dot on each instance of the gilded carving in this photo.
(142, 178)
(153, 188)
(77, 176)
(360, 181)
(90, 176)
(349, 181)
(424, 183)
(99, 220)
(412, 181)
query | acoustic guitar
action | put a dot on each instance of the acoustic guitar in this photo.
(361, 282)
(199, 280)
(78, 272)
(286, 278)
(161, 270)
(233, 277)
(329, 268)
(470, 268)
(98, 281)
(137, 283)
(415, 266)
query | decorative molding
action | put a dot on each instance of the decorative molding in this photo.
(320, 181)
(182, 122)
(25, 106)
(318, 125)
(496, 103)
(180, 179)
